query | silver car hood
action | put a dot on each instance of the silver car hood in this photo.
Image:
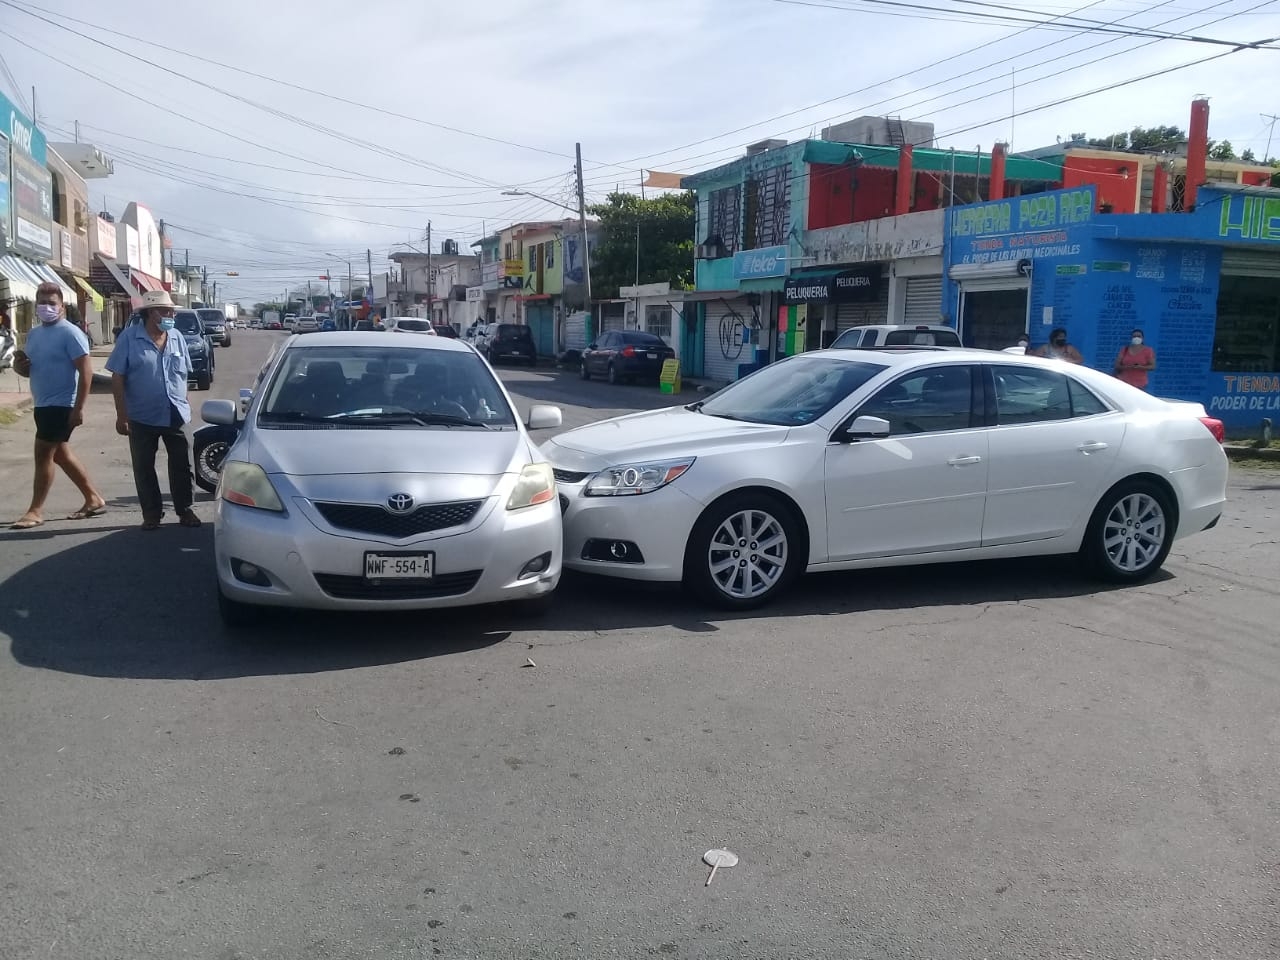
(655, 435)
(463, 451)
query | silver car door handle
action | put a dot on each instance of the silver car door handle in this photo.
(964, 461)
(1092, 446)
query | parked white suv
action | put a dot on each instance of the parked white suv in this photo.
(898, 335)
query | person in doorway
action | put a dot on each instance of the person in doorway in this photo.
(56, 358)
(1135, 361)
(1058, 349)
(149, 368)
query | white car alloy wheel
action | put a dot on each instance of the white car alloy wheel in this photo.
(1134, 532)
(1131, 532)
(742, 551)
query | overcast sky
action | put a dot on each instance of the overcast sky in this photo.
(276, 183)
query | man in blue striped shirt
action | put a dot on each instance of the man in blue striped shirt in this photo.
(149, 370)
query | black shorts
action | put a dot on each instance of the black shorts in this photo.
(53, 424)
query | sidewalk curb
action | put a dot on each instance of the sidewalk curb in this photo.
(1237, 452)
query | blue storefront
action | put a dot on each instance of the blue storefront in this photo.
(1204, 287)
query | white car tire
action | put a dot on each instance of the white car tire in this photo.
(1130, 533)
(745, 549)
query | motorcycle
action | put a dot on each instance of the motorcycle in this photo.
(210, 445)
(8, 348)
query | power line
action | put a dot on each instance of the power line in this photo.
(1056, 23)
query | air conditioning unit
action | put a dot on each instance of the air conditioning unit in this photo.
(449, 248)
(711, 249)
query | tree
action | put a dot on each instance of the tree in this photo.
(1221, 151)
(1248, 156)
(666, 225)
(1142, 139)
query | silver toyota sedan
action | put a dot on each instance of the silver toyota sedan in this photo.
(369, 475)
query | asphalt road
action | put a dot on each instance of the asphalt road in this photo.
(994, 760)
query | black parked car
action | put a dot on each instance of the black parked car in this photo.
(215, 324)
(624, 355)
(510, 341)
(199, 345)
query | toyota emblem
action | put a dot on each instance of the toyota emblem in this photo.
(400, 503)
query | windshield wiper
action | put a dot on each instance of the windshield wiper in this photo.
(292, 416)
(695, 406)
(730, 416)
(420, 419)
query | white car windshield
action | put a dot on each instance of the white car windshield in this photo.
(792, 392)
(378, 386)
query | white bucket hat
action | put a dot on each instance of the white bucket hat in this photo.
(156, 298)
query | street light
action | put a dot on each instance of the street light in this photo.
(581, 211)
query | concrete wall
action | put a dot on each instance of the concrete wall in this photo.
(892, 238)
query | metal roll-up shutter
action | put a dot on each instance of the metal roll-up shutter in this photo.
(860, 314)
(723, 349)
(923, 300)
(574, 331)
(1250, 263)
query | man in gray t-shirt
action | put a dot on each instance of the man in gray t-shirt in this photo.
(56, 358)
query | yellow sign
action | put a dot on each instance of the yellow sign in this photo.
(669, 382)
(513, 268)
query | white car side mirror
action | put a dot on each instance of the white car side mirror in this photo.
(544, 417)
(222, 412)
(868, 428)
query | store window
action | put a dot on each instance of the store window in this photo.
(1247, 336)
(657, 320)
(993, 319)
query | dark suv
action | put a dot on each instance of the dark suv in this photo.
(199, 346)
(215, 325)
(510, 341)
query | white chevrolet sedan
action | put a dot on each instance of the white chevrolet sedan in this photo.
(371, 474)
(841, 459)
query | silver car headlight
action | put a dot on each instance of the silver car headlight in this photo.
(633, 479)
(536, 485)
(248, 485)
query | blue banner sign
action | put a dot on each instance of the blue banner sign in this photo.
(762, 263)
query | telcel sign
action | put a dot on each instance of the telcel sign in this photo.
(759, 264)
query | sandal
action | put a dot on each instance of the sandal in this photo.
(84, 513)
(27, 523)
(188, 518)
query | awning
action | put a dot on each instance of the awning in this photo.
(19, 278)
(700, 296)
(47, 275)
(91, 293)
(121, 277)
(858, 284)
(144, 281)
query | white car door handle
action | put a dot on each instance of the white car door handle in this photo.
(1092, 446)
(964, 461)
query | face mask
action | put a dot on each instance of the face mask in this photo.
(1060, 342)
(1022, 343)
(1136, 341)
(48, 313)
(166, 323)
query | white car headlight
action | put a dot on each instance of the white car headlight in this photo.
(632, 479)
(248, 485)
(536, 485)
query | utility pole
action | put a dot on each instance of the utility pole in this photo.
(204, 285)
(1266, 154)
(161, 231)
(431, 283)
(586, 249)
(368, 290)
(214, 299)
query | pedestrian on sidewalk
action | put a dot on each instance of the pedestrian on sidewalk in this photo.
(56, 358)
(149, 369)
(1135, 360)
(1058, 348)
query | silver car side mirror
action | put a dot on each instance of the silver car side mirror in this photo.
(221, 412)
(544, 417)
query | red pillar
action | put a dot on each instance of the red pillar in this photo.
(997, 172)
(1197, 151)
(1159, 188)
(902, 202)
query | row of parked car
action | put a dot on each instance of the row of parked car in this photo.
(831, 460)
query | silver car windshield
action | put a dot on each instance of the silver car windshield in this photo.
(793, 392)
(379, 386)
